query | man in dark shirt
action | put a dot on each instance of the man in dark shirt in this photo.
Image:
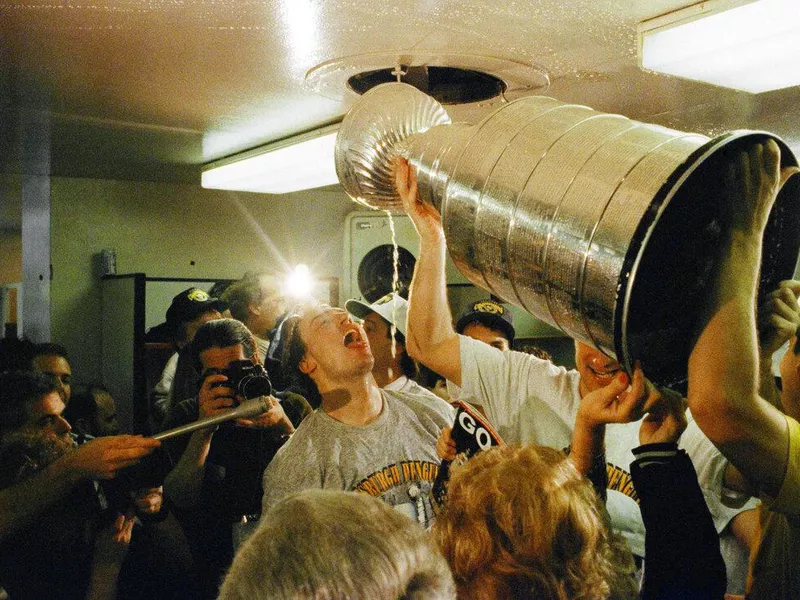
(216, 480)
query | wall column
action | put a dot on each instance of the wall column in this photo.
(36, 270)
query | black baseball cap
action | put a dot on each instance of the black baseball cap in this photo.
(190, 304)
(490, 313)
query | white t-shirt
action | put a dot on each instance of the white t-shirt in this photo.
(409, 386)
(164, 386)
(530, 400)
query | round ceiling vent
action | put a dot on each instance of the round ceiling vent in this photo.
(451, 78)
(448, 85)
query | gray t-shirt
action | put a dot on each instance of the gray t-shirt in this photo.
(393, 458)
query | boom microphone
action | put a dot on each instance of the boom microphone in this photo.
(247, 409)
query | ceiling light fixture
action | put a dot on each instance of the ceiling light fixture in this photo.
(298, 163)
(741, 44)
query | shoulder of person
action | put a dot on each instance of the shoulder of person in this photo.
(419, 402)
(306, 432)
(296, 406)
(299, 449)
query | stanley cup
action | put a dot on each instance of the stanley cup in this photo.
(602, 226)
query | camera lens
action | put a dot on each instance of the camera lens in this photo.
(254, 386)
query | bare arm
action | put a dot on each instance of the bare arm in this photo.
(24, 502)
(606, 405)
(745, 528)
(724, 365)
(430, 338)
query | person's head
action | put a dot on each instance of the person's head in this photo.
(489, 322)
(52, 359)
(391, 359)
(218, 289)
(220, 342)
(257, 301)
(92, 411)
(324, 350)
(325, 545)
(30, 403)
(536, 351)
(32, 421)
(521, 522)
(790, 374)
(596, 369)
(434, 382)
(188, 311)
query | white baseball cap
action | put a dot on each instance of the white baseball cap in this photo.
(392, 307)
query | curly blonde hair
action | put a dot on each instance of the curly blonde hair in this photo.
(520, 522)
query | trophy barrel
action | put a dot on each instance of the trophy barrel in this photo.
(602, 226)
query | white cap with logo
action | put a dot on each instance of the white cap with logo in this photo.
(392, 307)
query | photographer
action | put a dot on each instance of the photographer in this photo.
(216, 481)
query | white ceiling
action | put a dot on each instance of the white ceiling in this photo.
(153, 89)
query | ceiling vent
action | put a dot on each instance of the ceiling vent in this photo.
(452, 79)
(448, 85)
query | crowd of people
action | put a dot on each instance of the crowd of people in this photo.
(605, 485)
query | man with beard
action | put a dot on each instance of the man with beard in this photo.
(53, 540)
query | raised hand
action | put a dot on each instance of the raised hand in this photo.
(427, 221)
(445, 446)
(778, 317)
(102, 458)
(751, 186)
(111, 543)
(274, 417)
(665, 420)
(618, 402)
(213, 398)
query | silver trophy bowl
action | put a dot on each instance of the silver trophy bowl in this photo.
(601, 226)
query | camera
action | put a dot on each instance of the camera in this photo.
(246, 379)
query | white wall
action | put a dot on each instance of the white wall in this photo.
(161, 229)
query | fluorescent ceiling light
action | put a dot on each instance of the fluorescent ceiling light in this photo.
(742, 44)
(299, 163)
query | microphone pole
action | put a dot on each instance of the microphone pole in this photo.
(247, 409)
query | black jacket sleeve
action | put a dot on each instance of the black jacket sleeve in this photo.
(682, 554)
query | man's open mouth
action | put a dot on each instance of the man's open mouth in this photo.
(352, 339)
